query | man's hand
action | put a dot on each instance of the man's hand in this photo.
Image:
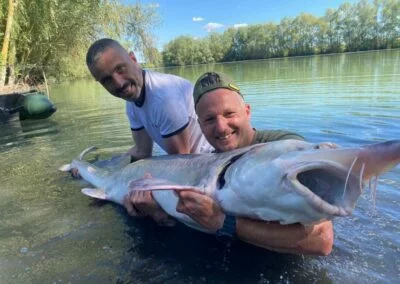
(75, 173)
(201, 208)
(142, 203)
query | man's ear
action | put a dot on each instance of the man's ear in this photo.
(132, 56)
(248, 110)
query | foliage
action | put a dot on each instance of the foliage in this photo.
(52, 36)
(364, 25)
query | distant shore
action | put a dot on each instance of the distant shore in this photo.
(20, 88)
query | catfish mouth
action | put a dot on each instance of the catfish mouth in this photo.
(328, 187)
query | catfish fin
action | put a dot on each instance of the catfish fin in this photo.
(117, 161)
(150, 184)
(97, 193)
(65, 168)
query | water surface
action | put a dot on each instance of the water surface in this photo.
(50, 232)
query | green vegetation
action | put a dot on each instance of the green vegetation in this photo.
(50, 37)
(352, 27)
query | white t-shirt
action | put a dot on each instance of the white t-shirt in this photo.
(168, 108)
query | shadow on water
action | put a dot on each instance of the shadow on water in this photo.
(15, 132)
(182, 255)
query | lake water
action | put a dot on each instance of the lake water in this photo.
(51, 233)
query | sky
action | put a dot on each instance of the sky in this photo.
(197, 18)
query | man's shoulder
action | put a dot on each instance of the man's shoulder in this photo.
(263, 136)
(154, 77)
(167, 90)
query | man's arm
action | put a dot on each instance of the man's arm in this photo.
(178, 143)
(143, 145)
(138, 203)
(294, 238)
(142, 203)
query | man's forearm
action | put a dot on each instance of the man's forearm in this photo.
(295, 238)
(136, 154)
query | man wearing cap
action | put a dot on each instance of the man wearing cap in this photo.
(224, 119)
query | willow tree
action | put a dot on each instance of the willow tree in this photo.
(390, 29)
(6, 40)
(139, 29)
(52, 36)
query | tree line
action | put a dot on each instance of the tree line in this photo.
(352, 27)
(50, 37)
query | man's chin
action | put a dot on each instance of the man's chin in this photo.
(126, 97)
(225, 147)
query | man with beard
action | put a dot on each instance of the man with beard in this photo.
(159, 108)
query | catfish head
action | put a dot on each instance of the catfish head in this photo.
(294, 181)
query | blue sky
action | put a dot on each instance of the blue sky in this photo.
(197, 18)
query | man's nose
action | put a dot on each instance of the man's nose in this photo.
(221, 124)
(118, 80)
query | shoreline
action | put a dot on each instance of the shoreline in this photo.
(20, 88)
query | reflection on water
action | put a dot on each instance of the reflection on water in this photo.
(50, 232)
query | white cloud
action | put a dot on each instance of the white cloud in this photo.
(154, 5)
(197, 19)
(212, 26)
(236, 26)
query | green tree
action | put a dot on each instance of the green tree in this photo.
(285, 37)
(357, 26)
(6, 39)
(52, 36)
(218, 46)
(391, 23)
(363, 26)
(177, 51)
(334, 37)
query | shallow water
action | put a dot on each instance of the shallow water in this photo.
(50, 232)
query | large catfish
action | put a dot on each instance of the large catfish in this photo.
(287, 181)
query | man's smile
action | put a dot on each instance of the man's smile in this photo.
(226, 136)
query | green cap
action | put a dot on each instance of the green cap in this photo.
(210, 81)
